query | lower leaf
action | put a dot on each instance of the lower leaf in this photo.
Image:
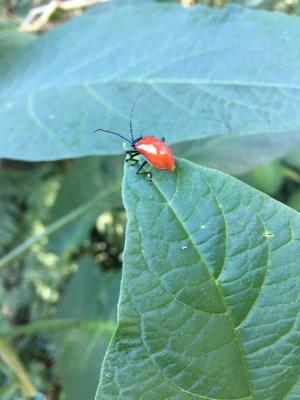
(209, 304)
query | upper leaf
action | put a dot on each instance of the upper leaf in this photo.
(202, 72)
(209, 305)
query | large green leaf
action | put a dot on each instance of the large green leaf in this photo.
(203, 72)
(209, 304)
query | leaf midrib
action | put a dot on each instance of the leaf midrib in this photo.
(167, 81)
(227, 313)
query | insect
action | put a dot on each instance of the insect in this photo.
(154, 150)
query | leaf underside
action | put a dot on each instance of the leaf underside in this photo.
(216, 72)
(209, 305)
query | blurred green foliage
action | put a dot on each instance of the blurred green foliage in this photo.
(58, 280)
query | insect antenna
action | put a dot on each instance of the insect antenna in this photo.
(131, 115)
(114, 133)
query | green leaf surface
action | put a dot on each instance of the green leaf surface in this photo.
(15, 190)
(8, 224)
(9, 212)
(238, 155)
(90, 295)
(11, 39)
(202, 72)
(209, 304)
(294, 200)
(297, 9)
(293, 158)
(87, 178)
(267, 178)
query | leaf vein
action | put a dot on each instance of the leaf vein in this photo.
(235, 332)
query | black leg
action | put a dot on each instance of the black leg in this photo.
(138, 172)
(131, 160)
(163, 139)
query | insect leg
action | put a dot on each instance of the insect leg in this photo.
(131, 160)
(138, 172)
(163, 139)
(132, 152)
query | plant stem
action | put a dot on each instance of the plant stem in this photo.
(291, 174)
(53, 324)
(12, 360)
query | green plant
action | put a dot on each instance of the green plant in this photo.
(209, 296)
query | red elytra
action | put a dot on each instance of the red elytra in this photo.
(156, 152)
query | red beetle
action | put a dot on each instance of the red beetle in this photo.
(154, 150)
